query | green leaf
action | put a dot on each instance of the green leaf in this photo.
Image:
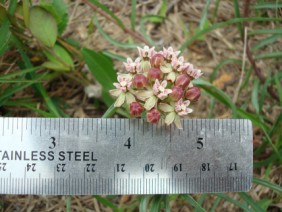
(68, 203)
(59, 10)
(144, 203)
(266, 41)
(43, 26)
(26, 11)
(102, 69)
(278, 86)
(222, 24)
(255, 101)
(266, 31)
(156, 203)
(163, 8)
(59, 59)
(238, 15)
(268, 5)
(106, 202)
(194, 203)
(18, 73)
(204, 20)
(217, 93)
(233, 201)
(251, 202)
(133, 14)
(110, 39)
(273, 186)
(5, 34)
(269, 56)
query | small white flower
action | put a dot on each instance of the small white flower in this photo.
(195, 73)
(146, 52)
(133, 67)
(160, 90)
(169, 53)
(181, 107)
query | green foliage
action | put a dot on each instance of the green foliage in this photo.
(102, 68)
(43, 26)
(59, 10)
(59, 59)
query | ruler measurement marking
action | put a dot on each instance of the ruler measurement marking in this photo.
(128, 185)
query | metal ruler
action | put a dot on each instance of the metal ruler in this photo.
(70, 156)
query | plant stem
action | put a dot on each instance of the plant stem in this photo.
(110, 112)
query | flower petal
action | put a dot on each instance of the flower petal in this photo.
(177, 122)
(115, 92)
(143, 95)
(129, 98)
(150, 103)
(170, 118)
(166, 107)
(120, 100)
(166, 68)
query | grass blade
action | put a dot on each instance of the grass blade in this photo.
(106, 202)
(274, 187)
(222, 24)
(278, 86)
(204, 14)
(156, 203)
(110, 39)
(233, 201)
(109, 12)
(255, 101)
(266, 31)
(268, 5)
(194, 203)
(269, 56)
(102, 69)
(144, 203)
(215, 204)
(238, 15)
(251, 202)
(266, 41)
(133, 14)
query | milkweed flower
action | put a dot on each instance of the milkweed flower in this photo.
(157, 85)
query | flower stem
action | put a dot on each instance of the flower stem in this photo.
(110, 112)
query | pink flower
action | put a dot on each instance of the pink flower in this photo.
(140, 81)
(178, 63)
(177, 93)
(157, 60)
(136, 109)
(195, 73)
(181, 107)
(154, 73)
(132, 67)
(169, 53)
(182, 81)
(146, 52)
(159, 89)
(153, 116)
(193, 94)
(124, 83)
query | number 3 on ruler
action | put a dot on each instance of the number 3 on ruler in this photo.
(53, 143)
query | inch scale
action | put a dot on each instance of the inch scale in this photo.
(69, 156)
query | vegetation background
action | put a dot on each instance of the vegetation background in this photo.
(59, 59)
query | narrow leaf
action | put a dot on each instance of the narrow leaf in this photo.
(102, 69)
(194, 203)
(273, 186)
(133, 14)
(255, 101)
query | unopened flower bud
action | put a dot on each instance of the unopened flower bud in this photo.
(157, 60)
(176, 93)
(182, 80)
(193, 94)
(140, 81)
(154, 73)
(153, 116)
(136, 109)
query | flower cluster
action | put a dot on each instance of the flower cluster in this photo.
(158, 83)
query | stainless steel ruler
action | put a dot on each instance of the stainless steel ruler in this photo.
(69, 156)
